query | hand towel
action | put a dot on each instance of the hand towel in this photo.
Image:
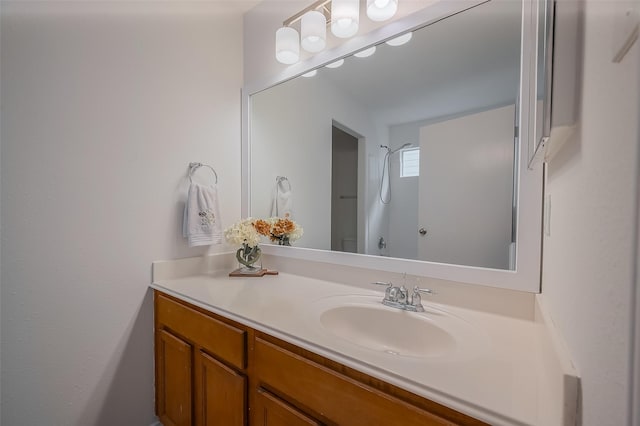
(201, 221)
(282, 199)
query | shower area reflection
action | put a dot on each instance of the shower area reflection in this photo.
(385, 188)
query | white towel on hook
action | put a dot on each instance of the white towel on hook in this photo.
(282, 199)
(201, 221)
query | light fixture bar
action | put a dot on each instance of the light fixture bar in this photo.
(323, 6)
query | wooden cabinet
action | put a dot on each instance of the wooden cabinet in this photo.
(334, 396)
(174, 368)
(200, 366)
(220, 393)
(211, 371)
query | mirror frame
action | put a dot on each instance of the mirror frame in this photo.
(537, 144)
(526, 276)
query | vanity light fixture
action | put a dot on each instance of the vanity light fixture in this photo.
(365, 53)
(335, 64)
(311, 73)
(313, 26)
(400, 40)
(381, 10)
(342, 15)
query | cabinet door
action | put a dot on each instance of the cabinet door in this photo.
(220, 394)
(272, 411)
(174, 373)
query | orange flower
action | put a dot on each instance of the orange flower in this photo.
(282, 227)
(262, 226)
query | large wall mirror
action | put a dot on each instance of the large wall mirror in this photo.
(406, 156)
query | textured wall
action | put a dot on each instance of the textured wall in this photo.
(102, 110)
(589, 256)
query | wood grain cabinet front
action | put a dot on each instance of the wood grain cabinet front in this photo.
(174, 368)
(220, 393)
(335, 397)
(212, 371)
(201, 376)
(269, 410)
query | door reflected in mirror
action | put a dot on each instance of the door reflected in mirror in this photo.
(407, 152)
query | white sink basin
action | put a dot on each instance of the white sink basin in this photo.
(393, 332)
(364, 322)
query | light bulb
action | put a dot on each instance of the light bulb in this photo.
(335, 64)
(381, 10)
(400, 40)
(345, 17)
(344, 22)
(314, 31)
(287, 46)
(365, 53)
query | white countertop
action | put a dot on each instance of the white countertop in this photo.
(508, 377)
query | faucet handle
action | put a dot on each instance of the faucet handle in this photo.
(416, 300)
(387, 292)
(417, 290)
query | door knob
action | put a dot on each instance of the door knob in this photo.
(422, 231)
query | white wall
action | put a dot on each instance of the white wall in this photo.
(102, 110)
(589, 256)
(403, 208)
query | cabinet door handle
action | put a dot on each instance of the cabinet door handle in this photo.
(422, 231)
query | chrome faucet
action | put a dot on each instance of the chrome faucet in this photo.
(399, 297)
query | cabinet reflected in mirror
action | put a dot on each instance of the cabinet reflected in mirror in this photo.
(432, 126)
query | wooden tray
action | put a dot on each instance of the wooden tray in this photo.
(261, 273)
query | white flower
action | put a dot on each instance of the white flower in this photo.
(242, 232)
(296, 233)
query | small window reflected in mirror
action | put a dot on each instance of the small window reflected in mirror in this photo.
(410, 162)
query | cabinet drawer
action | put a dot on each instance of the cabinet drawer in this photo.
(225, 341)
(272, 411)
(336, 398)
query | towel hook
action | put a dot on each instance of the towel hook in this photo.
(195, 166)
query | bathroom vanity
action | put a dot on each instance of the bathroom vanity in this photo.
(274, 351)
(315, 345)
(212, 370)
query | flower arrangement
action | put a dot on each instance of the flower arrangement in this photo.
(244, 233)
(283, 230)
(247, 233)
